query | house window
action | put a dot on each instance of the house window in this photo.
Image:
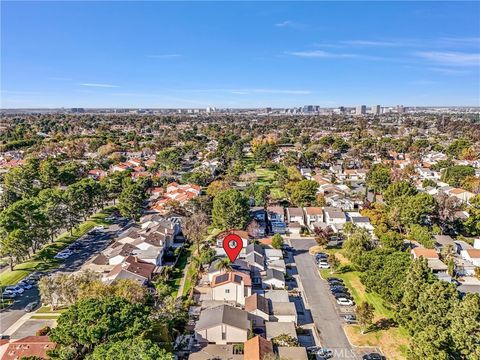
(227, 291)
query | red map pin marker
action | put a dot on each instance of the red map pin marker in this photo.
(232, 244)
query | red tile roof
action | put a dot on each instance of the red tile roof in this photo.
(29, 346)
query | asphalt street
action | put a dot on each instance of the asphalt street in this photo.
(321, 304)
(88, 246)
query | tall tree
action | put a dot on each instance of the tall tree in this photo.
(302, 193)
(230, 210)
(365, 312)
(464, 328)
(195, 227)
(378, 178)
(131, 200)
(93, 322)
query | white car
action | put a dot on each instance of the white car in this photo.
(15, 289)
(25, 285)
(345, 302)
(323, 265)
(61, 255)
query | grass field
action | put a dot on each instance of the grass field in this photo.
(44, 259)
(269, 177)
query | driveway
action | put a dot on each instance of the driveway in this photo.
(89, 245)
(320, 303)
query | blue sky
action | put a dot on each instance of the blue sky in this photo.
(239, 54)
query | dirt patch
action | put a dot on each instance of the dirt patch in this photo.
(343, 259)
(316, 249)
(392, 343)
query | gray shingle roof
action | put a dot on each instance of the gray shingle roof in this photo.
(224, 314)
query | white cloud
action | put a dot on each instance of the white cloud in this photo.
(164, 56)
(448, 71)
(99, 85)
(370, 43)
(320, 54)
(294, 25)
(451, 58)
(285, 23)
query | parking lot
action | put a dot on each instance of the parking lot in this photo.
(326, 314)
(83, 249)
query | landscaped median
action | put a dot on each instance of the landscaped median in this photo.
(393, 341)
(44, 260)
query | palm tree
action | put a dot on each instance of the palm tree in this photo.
(224, 264)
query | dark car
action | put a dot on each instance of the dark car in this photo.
(334, 293)
(334, 280)
(373, 356)
(338, 288)
(31, 306)
(342, 295)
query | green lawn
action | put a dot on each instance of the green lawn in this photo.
(190, 279)
(44, 259)
(177, 273)
(45, 317)
(277, 194)
(48, 310)
(265, 175)
(357, 289)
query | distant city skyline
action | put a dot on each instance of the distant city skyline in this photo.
(239, 55)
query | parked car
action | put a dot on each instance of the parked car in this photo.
(342, 296)
(323, 265)
(7, 294)
(30, 280)
(338, 287)
(37, 275)
(16, 289)
(62, 255)
(373, 356)
(340, 291)
(75, 246)
(345, 302)
(334, 280)
(25, 285)
(31, 306)
(326, 353)
(350, 318)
